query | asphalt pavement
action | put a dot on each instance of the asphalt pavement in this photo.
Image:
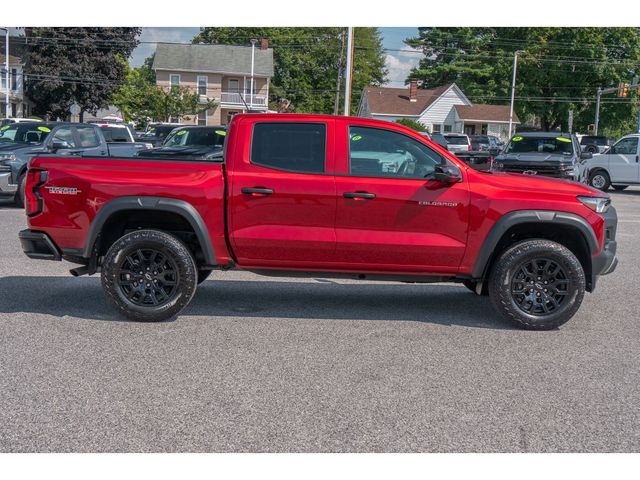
(311, 365)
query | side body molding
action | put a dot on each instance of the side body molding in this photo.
(530, 216)
(180, 207)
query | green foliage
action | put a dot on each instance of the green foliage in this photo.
(307, 62)
(417, 126)
(76, 65)
(558, 70)
(140, 100)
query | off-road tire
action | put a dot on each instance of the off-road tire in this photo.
(19, 197)
(591, 149)
(508, 266)
(600, 179)
(619, 188)
(185, 275)
(471, 285)
(203, 275)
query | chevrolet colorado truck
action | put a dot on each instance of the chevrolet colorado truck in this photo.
(321, 196)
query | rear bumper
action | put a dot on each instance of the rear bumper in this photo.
(39, 246)
(6, 185)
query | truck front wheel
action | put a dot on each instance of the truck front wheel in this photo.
(149, 276)
(537, 284)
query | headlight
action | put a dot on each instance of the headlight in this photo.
(9, 157)
(597, 204)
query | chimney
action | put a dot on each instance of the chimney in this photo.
(413, 91)
(264, 43)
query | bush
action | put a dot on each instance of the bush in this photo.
(417, 126)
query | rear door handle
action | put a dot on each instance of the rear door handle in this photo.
(359, 195)
(256, 191)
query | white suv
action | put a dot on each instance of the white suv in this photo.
(618, 167)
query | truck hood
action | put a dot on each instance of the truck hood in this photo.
(541, 184)
(12, 147)
(534, 157)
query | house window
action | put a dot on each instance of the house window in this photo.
(4, 78)
(447, 128)
(202, 118)
(202, 85)
(233, 85)
(174, 80)
(436, 128)
(14, 79)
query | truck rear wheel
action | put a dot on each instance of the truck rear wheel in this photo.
(537, 284)
(149, 276)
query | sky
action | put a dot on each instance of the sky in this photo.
(399, 64)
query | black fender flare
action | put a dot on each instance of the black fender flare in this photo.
(529, 216)
(173, 205)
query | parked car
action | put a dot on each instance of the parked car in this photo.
(193, 142)
(321, 196)
(438, 138)
(550, 154)
(618, 167)
(457, 142)
(486, 143)
(10, 120)
(120, 133)
(19, 142)
(157, 132)
(594, 143)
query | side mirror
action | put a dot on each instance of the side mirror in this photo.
(446, 174)
(586, 155)
(59, 145)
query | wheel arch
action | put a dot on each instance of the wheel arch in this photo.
(162, 205)
(568, 229)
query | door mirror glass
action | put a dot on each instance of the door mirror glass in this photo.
(446, 174)
(586, 155)
(59, 145)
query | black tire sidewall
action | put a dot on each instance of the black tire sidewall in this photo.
(506, 266)
(168, 245)
(19, 198)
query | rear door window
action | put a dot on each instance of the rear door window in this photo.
(65, 134)
(87, 137)
(292, 147)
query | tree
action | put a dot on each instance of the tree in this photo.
(76, 65)
(141, 100)
(307, 62)
(558, 71)
(417, 126)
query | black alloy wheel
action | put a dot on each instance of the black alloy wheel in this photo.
(148, 277)
(540, 286)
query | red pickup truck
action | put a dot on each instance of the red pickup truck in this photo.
(321, 196)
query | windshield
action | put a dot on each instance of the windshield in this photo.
(24, 133)
(159, 131)
(116, 134)
(520, 144)
(457, 140)
(207, 137)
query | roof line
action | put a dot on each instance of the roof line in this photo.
(167, 69)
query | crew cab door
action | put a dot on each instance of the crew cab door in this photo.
(391, 213)
(624, 166)
(282, 201)
(90, 141)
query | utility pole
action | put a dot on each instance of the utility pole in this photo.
(599, 93)
(253, 61)
(513, 89)
(336, 107)
(6, 74)
(347, 80)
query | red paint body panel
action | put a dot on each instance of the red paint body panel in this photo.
(411, 227)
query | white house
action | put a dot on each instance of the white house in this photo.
(18, 104)
(442, 109)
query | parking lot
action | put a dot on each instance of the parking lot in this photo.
(263, 364)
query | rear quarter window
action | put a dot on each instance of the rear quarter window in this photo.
(292, 147)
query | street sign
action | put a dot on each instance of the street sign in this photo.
(75, 109)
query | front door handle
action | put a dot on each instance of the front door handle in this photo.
(256, 191)
(359, 195)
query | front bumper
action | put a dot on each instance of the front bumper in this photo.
(606, 261)
(6, 187)
(38, 245)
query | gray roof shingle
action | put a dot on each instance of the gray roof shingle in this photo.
(213, 58)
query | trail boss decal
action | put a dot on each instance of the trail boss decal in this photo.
(63, 190)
